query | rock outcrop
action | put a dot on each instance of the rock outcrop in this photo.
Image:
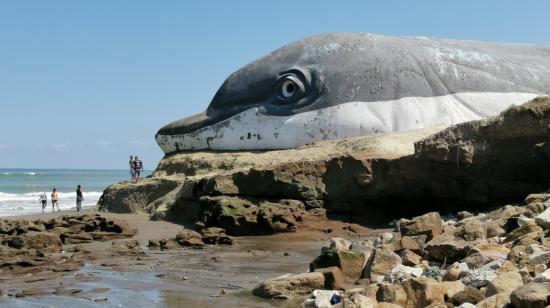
(39, 246)
(369, 179)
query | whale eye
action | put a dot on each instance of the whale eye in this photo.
(290, 89)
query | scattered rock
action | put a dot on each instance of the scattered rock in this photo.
(350, 262)
(384, 261)
(215, 236)
(337, 243)
(504, 282)
(530, 229)
(473, 229)
(423, 292)
(531, 295)
(402, 272)
(290, 286)
(429, 224)
(410, 258)
(447, 247)
(334, 279)
(482, 276)
(543, 277)
(392, 293)
(189, 238)
(542, 219)
(454, 270)
(469, 295)
(322, 299)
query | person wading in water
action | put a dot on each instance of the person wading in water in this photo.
(43, 199)
(54, 200)
(79, 198)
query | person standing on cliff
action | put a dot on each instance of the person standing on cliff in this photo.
(79, 198)
(54, 200)
(138, 168)
(131, 164)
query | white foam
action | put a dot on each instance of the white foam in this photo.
(252, 130)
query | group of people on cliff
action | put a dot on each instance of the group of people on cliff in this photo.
(43, 199)
(136, 167)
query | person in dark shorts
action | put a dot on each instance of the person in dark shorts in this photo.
(79, 198)
(43, 199)
(138, 168)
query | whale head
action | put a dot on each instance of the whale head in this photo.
(335, 86)
(254, 104)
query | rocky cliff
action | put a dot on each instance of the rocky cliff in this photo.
(368, 179)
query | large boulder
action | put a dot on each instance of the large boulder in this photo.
(529, 229)
(429, 224)
(189, 238)
(334, 279)
(469, 295)
(290, 286)
(215, 236)
(473, 229)
(423, 292)
(504, 282)
(392, 293)
(349, 261)
(531, 295)
(126, 197)
(384, 260)
(447, 247)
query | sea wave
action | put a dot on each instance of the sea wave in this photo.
(27, 203)
(19, 173)
(6, 197)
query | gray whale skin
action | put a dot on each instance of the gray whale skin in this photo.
(342, 85)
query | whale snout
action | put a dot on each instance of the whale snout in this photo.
(166, 136)
(185, 125)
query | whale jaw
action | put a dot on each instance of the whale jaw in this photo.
(252, 130)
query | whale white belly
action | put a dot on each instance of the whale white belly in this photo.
(252, 130)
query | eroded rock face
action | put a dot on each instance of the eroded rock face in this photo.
(367, 179)
(250, 216)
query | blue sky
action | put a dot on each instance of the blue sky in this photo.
(83, 84)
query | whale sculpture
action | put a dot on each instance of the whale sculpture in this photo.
(348, 84)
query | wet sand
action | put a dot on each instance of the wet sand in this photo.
(215, 276)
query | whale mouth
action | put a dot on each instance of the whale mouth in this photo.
(194, 123)
(187, 125)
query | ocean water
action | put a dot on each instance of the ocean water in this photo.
(20, 188)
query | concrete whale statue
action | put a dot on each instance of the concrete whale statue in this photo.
(342, 85)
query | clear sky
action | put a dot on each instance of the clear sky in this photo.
(83, 84)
